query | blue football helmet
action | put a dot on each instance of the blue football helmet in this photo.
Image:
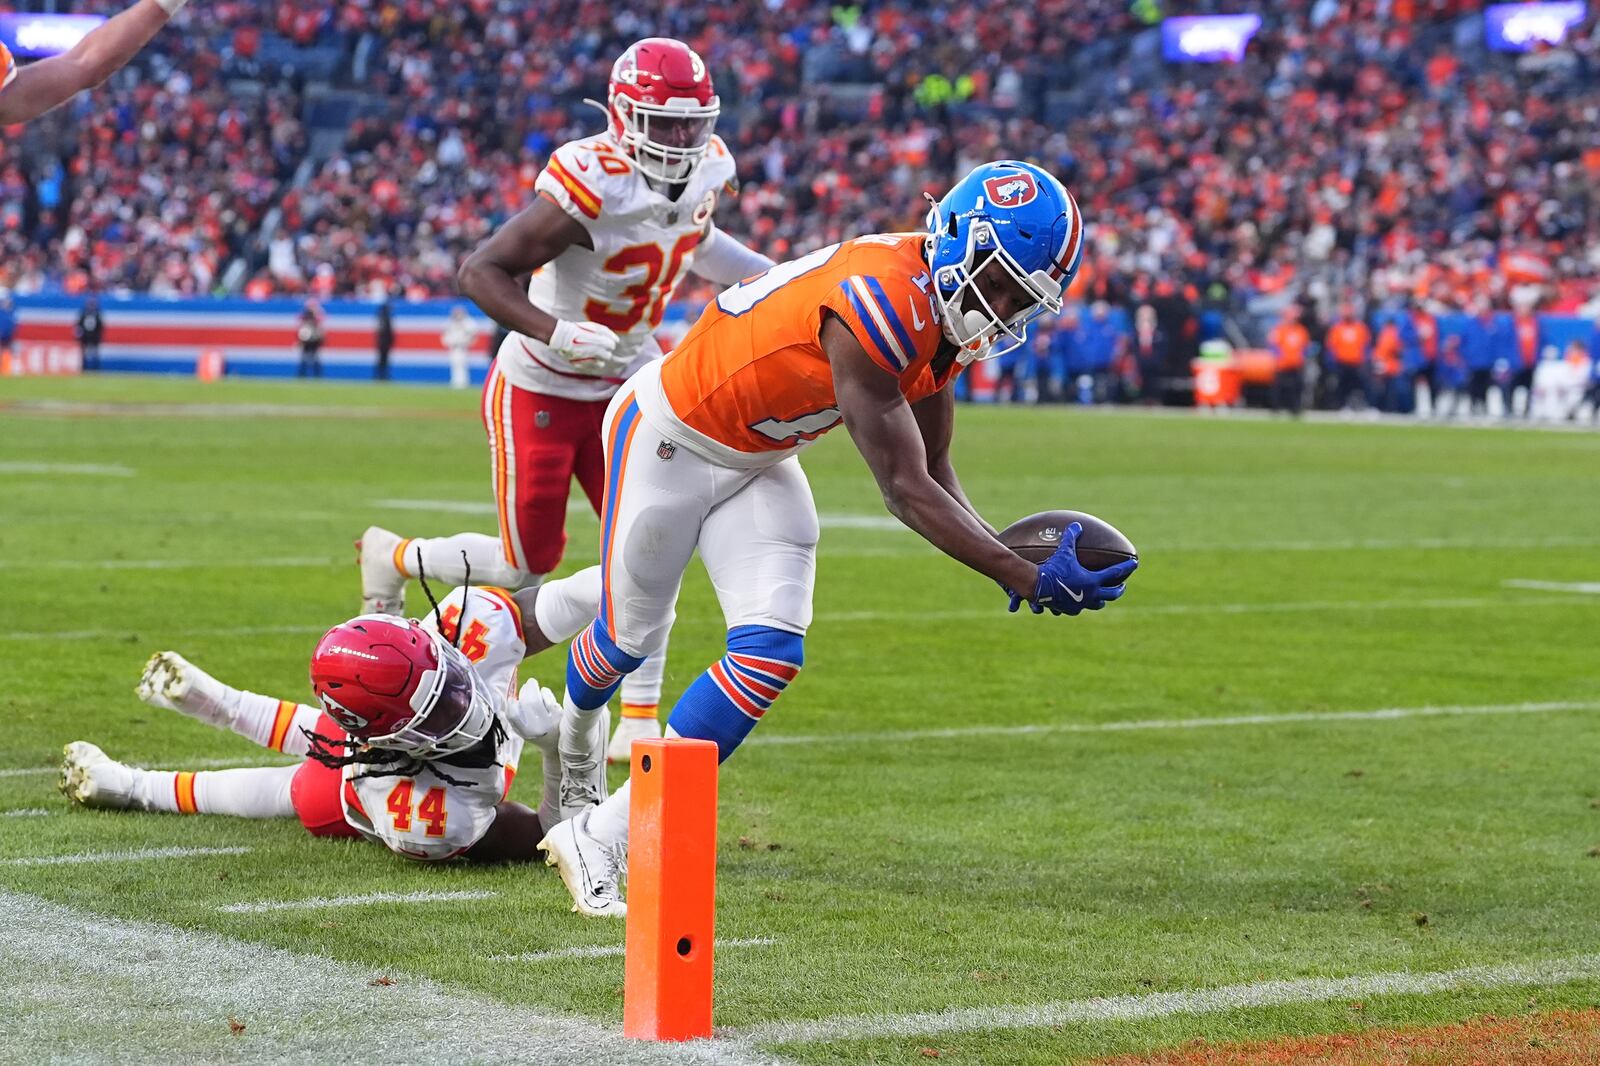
(1014, 214)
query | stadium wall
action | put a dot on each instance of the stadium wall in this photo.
(256, 337)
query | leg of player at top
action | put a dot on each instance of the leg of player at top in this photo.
(701, 454)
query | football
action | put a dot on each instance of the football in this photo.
(1036, 538)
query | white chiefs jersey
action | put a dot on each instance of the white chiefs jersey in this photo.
(643, 245)
(424, 816)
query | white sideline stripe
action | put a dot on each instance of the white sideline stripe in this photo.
(1590, 588)
(139, 855)
(25, 812)
(188, 764)
(608, 951)
(86, 469)
(1386, 714)
(167, 564)
(1166, 1004)
(316, 902)
(137, 991)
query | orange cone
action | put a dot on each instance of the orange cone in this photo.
(672, 875)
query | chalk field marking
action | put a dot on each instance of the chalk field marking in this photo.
(1386, 714)
(1166, 1004)
(139, 855)
(146, 992)
(26, 812)
(1587, 588)
(120, 634)
(610, 951)
(481, 507)
(291, 563)
(320, 902)
(188, 764)
(81, 469)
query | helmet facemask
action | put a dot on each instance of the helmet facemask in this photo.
(451, 712)
(668, 141)
(980, 332)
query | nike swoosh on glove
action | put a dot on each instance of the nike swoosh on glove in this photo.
(1067, 587)
(588, 346)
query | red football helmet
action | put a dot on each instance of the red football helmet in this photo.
(662, 107)
(395, 684)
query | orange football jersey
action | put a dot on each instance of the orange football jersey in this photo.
(750, 381)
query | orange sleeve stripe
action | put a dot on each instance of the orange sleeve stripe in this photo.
(280, 724)
(504, 597)
(183, 791)
(400, 556)
(586, 200)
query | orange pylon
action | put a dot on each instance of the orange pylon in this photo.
(672, 881)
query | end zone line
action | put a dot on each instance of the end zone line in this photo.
(1167, 1004)
(150, 992)
(138, 855)
(26, 812)
(1383, 714)
(1591, 588)
(608, 951)
(316, 902)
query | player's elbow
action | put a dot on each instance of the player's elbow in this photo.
(469, 275)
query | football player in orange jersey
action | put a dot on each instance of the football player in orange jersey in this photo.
(701, 452)
(28, 92)
(618, 220)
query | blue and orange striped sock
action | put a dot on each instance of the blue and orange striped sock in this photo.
(725, 703)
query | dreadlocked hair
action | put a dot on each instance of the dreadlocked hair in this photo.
(336, 753)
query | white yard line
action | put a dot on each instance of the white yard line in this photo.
(1587, 588)
(1385, 714)
(319, 902)
(118, 634)
(134, 991)
(1130, 608)
(26, 812)
(1166, 1004)
(294, 562)
(139, 855)
(611, 951)
(478, 507)
(84, 469)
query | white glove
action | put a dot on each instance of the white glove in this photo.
(171, 7)
(535, 715)
(588, 346)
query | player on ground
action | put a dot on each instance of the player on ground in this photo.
(28, 92)
(414, 745)
(618, 220)
(702, 450)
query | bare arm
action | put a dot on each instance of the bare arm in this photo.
(936, 419)
(102, 52)
(527, 242)
(887, 434)
(511, 838)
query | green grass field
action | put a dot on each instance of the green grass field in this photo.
(909, 852)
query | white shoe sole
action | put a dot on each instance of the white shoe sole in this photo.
(382, 587)
(573, 878)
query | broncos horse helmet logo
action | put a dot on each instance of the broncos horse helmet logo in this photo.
(1011, 190)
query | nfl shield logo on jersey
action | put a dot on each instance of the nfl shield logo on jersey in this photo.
(541, 419)
(1011, 190)
(666, 450)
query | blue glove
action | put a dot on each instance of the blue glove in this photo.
(1066, 587)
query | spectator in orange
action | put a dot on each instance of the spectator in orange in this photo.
(1349, 343)
(1289, 341)
(1386, 367)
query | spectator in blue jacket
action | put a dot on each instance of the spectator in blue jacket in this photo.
(1098, 340)
(1055, 369)
(8, 322)
(1591, 395)
(1481, 340)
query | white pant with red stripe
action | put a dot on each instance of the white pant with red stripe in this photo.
(756, 531)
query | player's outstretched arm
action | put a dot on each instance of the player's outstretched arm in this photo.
(936, 419)
(887, 434)
(511, 838)
(106, 49)
(488, 277)
(723, 260)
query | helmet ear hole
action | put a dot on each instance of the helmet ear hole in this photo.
(951, 226)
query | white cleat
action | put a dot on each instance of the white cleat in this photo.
(173, 683)
(92, 778)
(383, 587)
(620, 750)
(583, 781)
(591, 870)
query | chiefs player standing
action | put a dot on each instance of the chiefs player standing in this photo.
(28, 92)
(618, 220)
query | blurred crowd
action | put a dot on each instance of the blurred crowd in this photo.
(1354, 156)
